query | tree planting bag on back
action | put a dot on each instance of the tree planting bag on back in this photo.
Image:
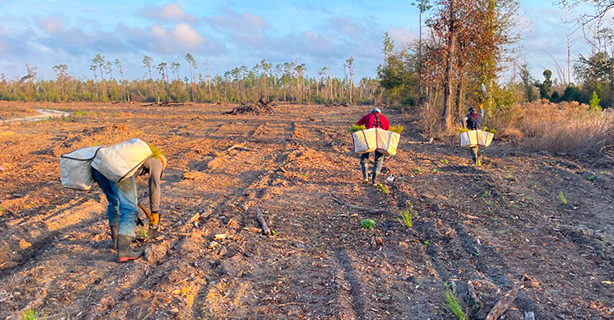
(364, 141)
(76, 169)
(485, 138)
(120, 161)
(387, 141)
(468, 138)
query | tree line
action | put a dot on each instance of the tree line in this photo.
(466, 43)
(284, 82)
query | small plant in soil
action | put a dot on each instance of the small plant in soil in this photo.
(408, 214)
(32, 315)
(142, 233)
(454, 305)
(417, 170)
(445, 161)
(435, 170)
(562, 198)
(383, 188)
(368, 224)
(591, 178)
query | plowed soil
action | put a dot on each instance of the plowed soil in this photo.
(537, 222)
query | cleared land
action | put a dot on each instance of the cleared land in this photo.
(486, 230)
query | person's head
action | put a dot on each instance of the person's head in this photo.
(472, 110)
(376, 110)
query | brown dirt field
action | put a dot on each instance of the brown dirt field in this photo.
(9, 109)
(483, 229)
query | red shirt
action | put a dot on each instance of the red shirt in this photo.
(369, 121)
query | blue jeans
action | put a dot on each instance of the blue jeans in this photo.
(378, 163)
(123, 204)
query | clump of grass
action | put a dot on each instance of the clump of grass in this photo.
(562, 198)
(407, 215)
(567, 127)
(368, 224)
(454, 305)
(397, 129)
(356, 127)
(32, 315)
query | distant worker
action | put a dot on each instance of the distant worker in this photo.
(123, 209)
(473, 121)
(374, 119)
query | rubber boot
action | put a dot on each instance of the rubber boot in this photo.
(114, 237)
(124, 251)
(374, 178)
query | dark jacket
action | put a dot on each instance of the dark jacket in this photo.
(370, 121)
(153, 167)
(474, 122)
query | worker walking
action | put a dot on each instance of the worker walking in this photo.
(374, 119)
(122, 210)
(473, 121)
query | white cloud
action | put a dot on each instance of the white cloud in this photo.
(168, 12)
(51, 24)
(401, 36)
(187, 36)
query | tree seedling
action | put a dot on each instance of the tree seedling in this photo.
(417, 170)
(435, 170)
(454, 305)
(368, 224)
(445, 161)
(591, 178)
(562, 198)
(31, 315)
(407, 215)
(383, 188)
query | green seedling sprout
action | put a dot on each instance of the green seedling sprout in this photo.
(383, 188)
(562, 198)
(407, 216)
(454, 305)
(368, 224)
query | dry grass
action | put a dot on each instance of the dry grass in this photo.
(567, 127)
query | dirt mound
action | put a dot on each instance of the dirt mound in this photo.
(257, 108)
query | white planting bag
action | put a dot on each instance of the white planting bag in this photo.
(387, 141)
(120, 161)
(364, 141)
(468, 138)
(76, 169)
(485, 138)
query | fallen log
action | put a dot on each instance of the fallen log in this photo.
(367, 210)
(502, 305)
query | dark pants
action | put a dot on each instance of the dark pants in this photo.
(123, 208)
(378, 163)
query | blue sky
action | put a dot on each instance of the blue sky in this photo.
(228, 34)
